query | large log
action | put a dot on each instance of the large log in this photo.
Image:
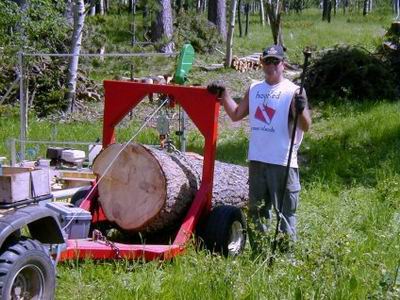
(147, 189)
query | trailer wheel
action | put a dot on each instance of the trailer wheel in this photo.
(80, 195)
(26, 271)
(225, 230)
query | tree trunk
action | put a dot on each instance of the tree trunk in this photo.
(149, 190)
(217, 15)
(132, 10)
(246, 11)
(69, 12)
(229, 43)
(239, 17)
(365, 7)
(178, 6)
(262, 13)
(334, 7)
(106, 5)
(397, 9)
(100, 7)
(274, 15)
(326, 10)
(132, 5)
(162, 26)
(79, 21)
(92, 11)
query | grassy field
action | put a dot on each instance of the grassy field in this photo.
(349, 227)
(349, 220)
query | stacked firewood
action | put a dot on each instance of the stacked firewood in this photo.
(247, 63)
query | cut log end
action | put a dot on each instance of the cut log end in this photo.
(131, 192)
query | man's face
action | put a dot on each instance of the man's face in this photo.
(273, 67)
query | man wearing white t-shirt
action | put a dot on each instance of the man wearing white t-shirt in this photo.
(270, 105)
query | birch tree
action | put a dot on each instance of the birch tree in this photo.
(397, 9)
(79, 21)
(229, 43)
(262, 13)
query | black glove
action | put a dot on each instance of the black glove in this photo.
(216, 88)
(300, 103)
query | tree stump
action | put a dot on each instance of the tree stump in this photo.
(148, 190)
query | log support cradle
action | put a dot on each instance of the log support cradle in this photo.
(203, 109)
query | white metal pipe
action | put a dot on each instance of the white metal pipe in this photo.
(66, 193)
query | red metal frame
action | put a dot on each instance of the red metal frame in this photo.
(203, 109)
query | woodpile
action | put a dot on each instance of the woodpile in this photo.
(247, 63)
(148, 190)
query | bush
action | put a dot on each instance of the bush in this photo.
(350, 73)
(198, 31)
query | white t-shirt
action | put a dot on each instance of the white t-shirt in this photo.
(269, 123)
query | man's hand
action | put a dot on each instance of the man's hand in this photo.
(216, 88)
(300, 103)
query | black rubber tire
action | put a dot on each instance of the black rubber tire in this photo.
(217, 229)
(26, 271)
(80, 195)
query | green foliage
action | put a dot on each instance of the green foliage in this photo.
(198, 31)
(41, 27)
(351, 73)
(8, 21)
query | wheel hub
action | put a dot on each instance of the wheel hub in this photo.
(28, 283)
(236, 238)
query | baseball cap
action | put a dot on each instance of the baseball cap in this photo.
(274, 51)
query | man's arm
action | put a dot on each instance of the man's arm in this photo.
(235, 111)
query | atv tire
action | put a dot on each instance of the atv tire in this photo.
(26, 271)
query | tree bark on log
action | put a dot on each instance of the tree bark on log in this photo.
(148, 190)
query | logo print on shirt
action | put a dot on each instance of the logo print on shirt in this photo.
(265, 114)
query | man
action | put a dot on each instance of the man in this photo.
(271, 105)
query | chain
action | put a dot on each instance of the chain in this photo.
(98, 236)
(171, 147)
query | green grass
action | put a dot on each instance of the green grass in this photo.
(308, 30)
(349, 226)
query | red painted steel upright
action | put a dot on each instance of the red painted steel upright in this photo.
(203, 109)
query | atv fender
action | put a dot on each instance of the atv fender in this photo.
(42, 223)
